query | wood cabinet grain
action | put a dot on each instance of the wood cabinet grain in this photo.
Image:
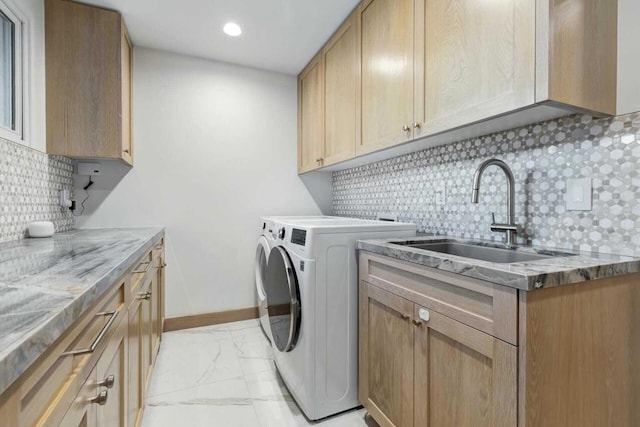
(387, 40)
(88, 82)
(573, 362)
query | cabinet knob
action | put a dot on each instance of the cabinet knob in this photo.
(406, 128)
(126, 151)
(405, 316)
(101, 398)
(319, 159)
(107, 382)
(416, 322)
(416, 125)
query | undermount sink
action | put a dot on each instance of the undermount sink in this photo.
(483, 253)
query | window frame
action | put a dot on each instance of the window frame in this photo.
(21, 77)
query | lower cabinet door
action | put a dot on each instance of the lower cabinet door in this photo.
(463, 377)
(112, 378)
(386, 356)
(134, 366)
(82, 412)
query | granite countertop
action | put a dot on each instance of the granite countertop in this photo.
(47, 284)
(568, 267)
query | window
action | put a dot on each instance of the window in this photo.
(11, 74)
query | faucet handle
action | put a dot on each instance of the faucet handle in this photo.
(493, 217)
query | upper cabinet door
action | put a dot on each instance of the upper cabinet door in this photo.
(126, 54)
(387, 42)
(341, 93)
(310, 116)
(474, 60)
(88, 62)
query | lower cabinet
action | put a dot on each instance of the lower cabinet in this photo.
(97, 373)
(439, 349)
(83, 412)
(421, 368)
(143, 343)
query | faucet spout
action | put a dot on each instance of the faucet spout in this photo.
(510, 227)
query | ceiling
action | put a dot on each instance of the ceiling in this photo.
(278, 35)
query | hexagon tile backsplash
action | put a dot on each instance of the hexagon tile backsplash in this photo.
(542, 156)
(29, 186)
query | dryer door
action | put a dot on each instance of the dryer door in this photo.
(283, 294)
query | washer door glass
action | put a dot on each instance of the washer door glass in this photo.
(283, 295)
(261, 268)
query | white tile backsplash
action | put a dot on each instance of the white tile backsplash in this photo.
(29, 184)
(543, 156)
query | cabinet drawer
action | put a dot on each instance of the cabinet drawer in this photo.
(482, 305)
(139, 273)
(51, 388)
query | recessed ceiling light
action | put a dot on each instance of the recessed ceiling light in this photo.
(232, 29)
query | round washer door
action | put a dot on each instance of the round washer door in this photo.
(262, 252)
(283, 294)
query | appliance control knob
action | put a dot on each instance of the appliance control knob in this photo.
(281, 233)
(264, 225)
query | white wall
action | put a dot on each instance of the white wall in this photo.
(215, 149)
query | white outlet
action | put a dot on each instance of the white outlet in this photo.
(441, 196)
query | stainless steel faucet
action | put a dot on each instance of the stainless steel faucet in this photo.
(510, 228)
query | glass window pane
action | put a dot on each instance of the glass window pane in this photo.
(7, 72)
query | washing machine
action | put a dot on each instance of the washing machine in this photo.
(311, 285)
(263, 249)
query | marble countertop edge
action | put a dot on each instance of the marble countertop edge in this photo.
(570, 268)
(17, 357)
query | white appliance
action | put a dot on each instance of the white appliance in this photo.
(262, 253)
(311, 286)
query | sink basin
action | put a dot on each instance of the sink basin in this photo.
(483, 253)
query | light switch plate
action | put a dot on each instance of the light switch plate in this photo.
(441, 196)
(578, 196)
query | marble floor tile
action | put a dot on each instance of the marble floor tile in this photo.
(267, 385)
(200, 415)
(188, 360)
(228, 391)
(225, 375)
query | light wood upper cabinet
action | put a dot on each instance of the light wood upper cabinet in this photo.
(328, 102)
(310, 116)
(387, 40)
(341, 93)
(440, 71)
(474, 60)
(88, 61)
(577, 53)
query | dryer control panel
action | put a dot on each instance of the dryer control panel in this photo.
(298, 237)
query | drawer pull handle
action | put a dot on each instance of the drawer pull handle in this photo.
(145, 295)
(107, 382)
(148, 266)
(99, 338)
(417, 322)
(101, 398)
